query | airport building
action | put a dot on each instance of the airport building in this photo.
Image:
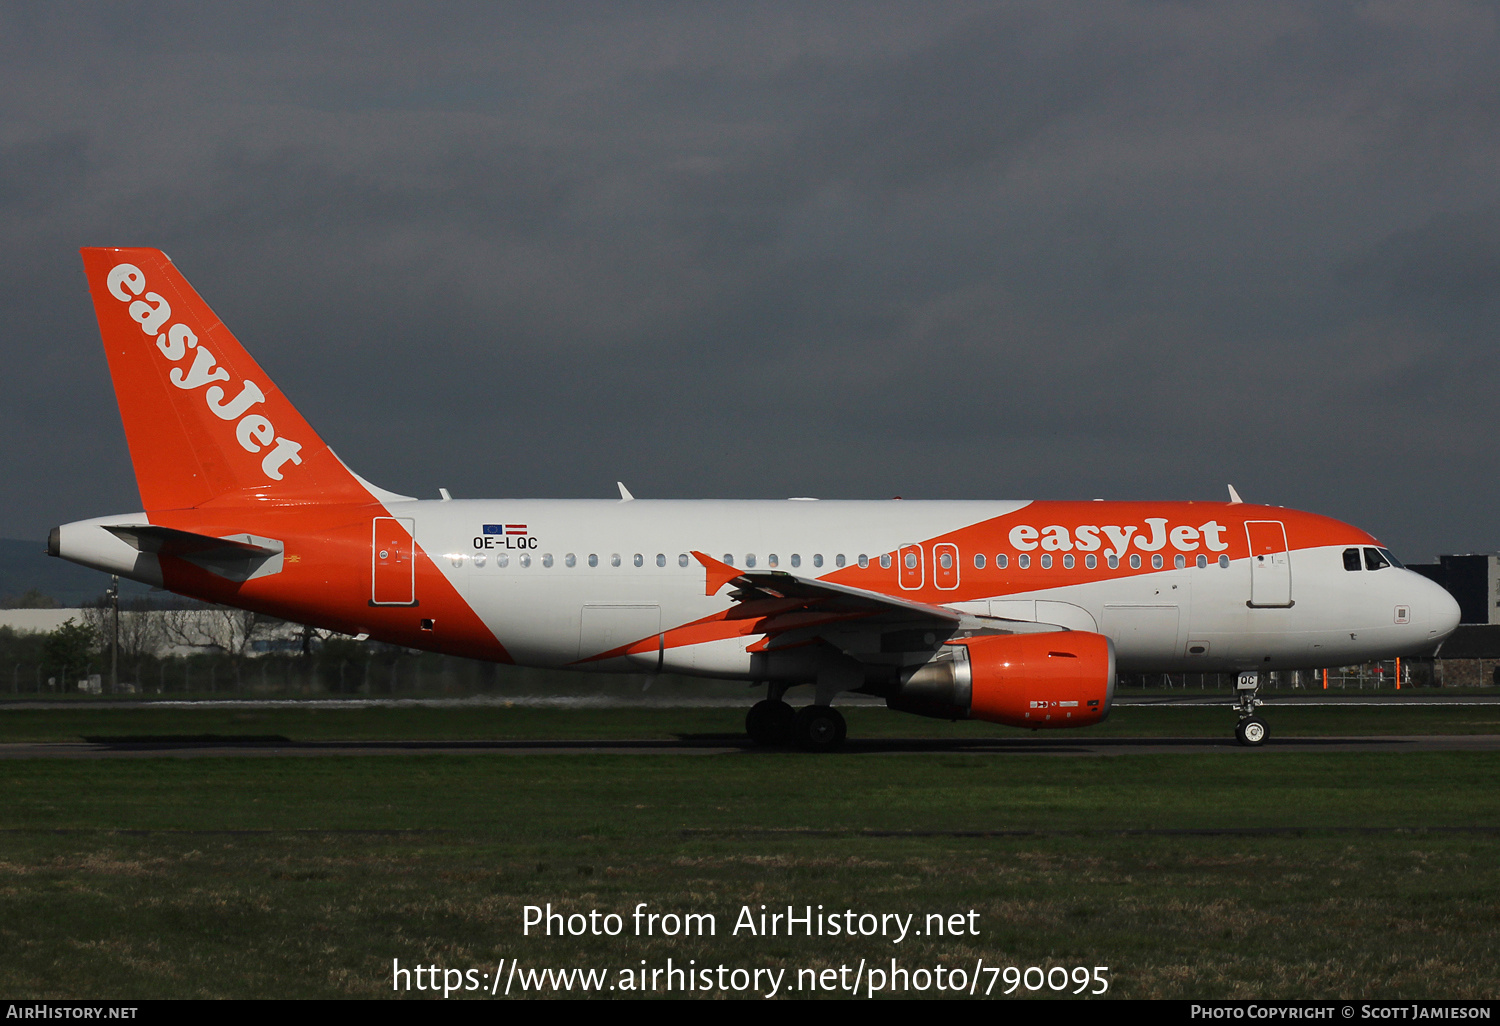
(1472, 579)
(1469, 658)
(171, 632)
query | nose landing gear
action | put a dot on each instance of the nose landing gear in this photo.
(1251, 729)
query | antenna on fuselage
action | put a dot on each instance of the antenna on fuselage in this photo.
(1234, 497)
(625, 495)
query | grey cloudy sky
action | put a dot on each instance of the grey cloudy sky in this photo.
(1046, 250)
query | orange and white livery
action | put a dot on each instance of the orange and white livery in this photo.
(1015, 612)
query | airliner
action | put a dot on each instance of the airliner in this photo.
(1020, 613)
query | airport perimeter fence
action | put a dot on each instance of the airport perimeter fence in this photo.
(339, 668)
(37, 666)
(1385, 675)
(333, 668)
(391, 672)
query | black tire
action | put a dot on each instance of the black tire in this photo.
(819, 728)
(770, 723)
(1251, 732)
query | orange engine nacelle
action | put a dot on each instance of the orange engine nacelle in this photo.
(1056, 679)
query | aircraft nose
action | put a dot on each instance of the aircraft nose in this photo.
(1443, 612)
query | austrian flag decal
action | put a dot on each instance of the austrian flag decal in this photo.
(504, 536)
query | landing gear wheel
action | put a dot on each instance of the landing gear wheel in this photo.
(1251, 731)
(770, 723)
(819, 728)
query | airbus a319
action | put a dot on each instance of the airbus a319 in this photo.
(1015, 612)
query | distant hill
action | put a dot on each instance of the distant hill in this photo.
(25, 565)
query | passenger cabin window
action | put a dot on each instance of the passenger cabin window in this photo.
(682, 559)
(1002, 561)
(1046, 561)
(547, 559)
(863, 561)
(1135, 561)
(1023, 561)
(1179, 561)
(614, 559)
(593, 559)
(1224, 562)
(1068, 561)
(729, 558)
(1091, 561)
(945, 560)
(1374, 560)
(525, 559)
(1202, 561)
(1156, 561)
(502, 561)
(885, 561)
(773, 560)
(817, 559)
(796, 559)
(479, 559)
(979, 561)
(639, 560)
(910, 559)
(1113, 561)
(661, 559)
(750, 560)
(570, 560)
(838, 560)
(1351, 559)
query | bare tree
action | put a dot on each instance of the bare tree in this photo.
(229, 630)
(142, 628)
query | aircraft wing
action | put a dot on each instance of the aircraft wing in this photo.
(789, 593)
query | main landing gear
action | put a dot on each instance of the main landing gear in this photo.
(814, 728)
(1251, 729)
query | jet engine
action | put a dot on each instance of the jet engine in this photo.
(1056, 679)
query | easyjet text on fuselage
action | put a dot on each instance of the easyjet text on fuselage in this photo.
(1115, 539)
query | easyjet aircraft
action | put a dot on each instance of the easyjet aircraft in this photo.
(1018, 613)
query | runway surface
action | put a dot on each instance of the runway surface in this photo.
(737, 744)
(1189, 698)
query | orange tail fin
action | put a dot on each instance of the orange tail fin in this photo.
(203, 421)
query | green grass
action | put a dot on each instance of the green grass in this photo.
(300, 723)
(305, 877)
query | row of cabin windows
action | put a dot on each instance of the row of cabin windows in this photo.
(1091, 561)
(945, 560)
(503, 559)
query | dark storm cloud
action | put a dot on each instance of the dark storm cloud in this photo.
(937, 250)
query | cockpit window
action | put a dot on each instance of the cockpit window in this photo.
(1392, 559)
(1374, 560)
(1351, 559)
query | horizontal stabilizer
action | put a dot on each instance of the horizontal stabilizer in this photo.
(238, 557)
